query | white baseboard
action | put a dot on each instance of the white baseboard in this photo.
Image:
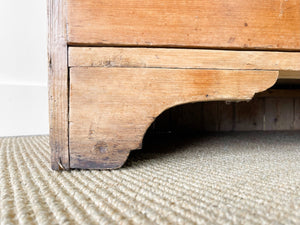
(23, 109)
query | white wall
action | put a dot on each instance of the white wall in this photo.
(23, 68)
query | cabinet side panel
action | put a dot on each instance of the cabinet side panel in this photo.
(58, 84)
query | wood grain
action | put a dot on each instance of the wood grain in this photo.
(186, 58)
(236, 116)
(279, 114)
(198, 117)
(58, 84)
(256, 24)
(111, 108)
(249, 116)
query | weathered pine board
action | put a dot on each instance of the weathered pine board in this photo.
(255, 24)
(111, 108)
(58, 84)
(186, 58)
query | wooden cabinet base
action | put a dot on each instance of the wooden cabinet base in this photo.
(112, 108)
(114, 67)
(103, 104)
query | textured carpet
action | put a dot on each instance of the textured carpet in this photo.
(225, 178)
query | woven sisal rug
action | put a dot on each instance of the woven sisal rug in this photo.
(225, 178)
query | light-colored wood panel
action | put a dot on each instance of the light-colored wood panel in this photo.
(111, 108)
(186, 58)
(58, 84)
(256, 24)
(279, 114)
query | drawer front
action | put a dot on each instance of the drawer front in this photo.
(254, 24)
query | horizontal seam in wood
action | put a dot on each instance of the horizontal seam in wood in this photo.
(175, 68)
(83, 45)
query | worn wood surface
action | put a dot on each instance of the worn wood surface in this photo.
(111, 108)
(58, 84)
(255, 24)
(274, 109)
(288, 63)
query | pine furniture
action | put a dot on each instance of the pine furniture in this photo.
(116, 65)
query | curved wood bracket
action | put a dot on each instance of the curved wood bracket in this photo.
(112, 108)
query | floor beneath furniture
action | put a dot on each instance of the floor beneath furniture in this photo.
(216, 178)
